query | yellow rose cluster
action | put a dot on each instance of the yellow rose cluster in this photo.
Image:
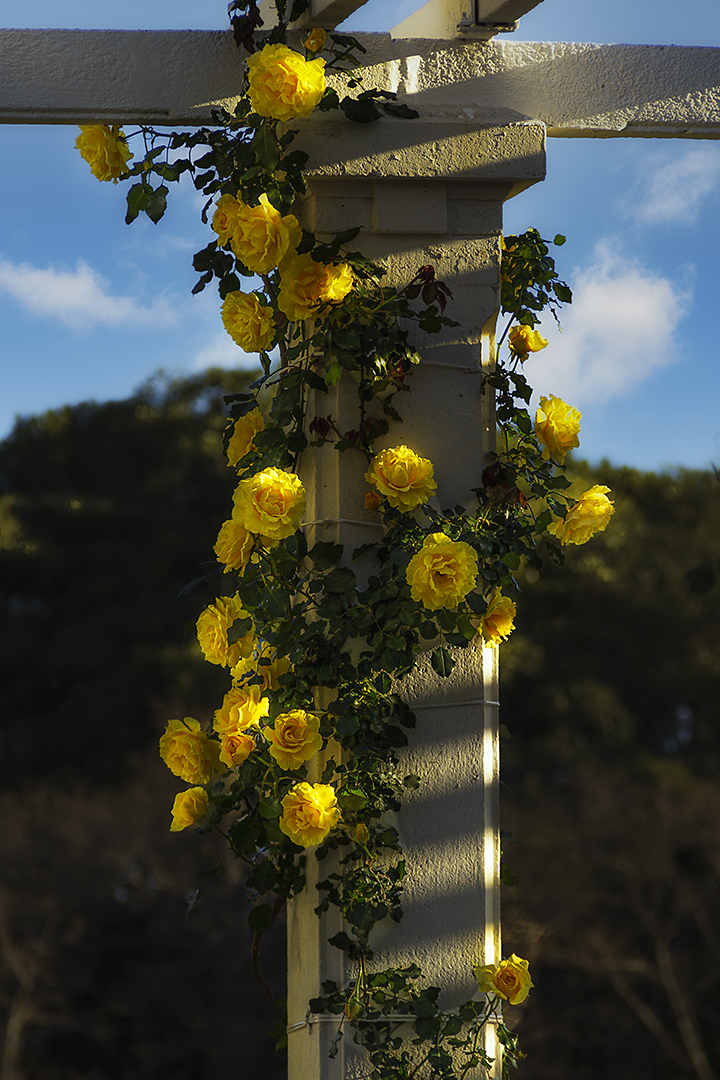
(249, 323)
(244, 431)
(105, 149)
(523, 341)
(212, 631)
(589, 515)
(188, 752)
(306, 284)
(271, 503)
(497, 623)
(283, 84)
(509, 980)
(403, 477)
(260, 236)
(443, 572)
(309, 812)
(294, 739)
(557, 425)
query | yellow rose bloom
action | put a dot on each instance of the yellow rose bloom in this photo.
(105, 149)
(187, 751)
(247, 321)
(557, 425)
(523, 341)
(283, 84)
(497, 623)
(244, 431)
(224, 218)
(189, 807)
(589, 515)
(270, 503)
(269, 673)
(315, 41)
(261, 237)
(305, 284)
(403, 477)
(233, 546)
(443, 572)
(242, 707)
(310, 811)
(509, 980)
(212, 631)
(294, 738)
(234, 749)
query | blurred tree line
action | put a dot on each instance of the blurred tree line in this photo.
(610, 691)
(112, 967)
(611, 762)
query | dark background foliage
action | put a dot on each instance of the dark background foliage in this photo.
(610, 701)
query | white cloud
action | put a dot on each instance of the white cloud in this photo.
(221, 351)
(79, 298)
(617, 332)
(674, 193)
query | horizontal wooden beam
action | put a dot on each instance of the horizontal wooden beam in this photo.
(176, 77)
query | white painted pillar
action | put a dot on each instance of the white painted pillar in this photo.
(446, 210)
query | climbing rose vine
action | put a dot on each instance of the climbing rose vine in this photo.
(301, 757)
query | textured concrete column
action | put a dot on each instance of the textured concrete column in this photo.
(449, 214)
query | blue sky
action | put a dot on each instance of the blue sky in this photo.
(90, 307)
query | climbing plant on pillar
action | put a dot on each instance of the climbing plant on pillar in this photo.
(313, 652)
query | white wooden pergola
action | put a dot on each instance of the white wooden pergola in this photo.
(426, 191)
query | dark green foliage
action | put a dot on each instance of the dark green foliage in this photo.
(107, 511)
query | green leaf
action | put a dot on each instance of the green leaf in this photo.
(442, 662)
(137, 200)
(467, 627)
(267, 150)
(361, 112)
(543, 520)
(333, 374)
(559, 240)
(156, 203)
(403, 112)
(511, 560)
(323, 555)
(269, 807)
(260, 918)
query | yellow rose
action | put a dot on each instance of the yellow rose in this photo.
(270, 672)
(233, 546)
(403, 477)
(248, 322)
(523, 340)
(510, 979)
(242, 707)
(310, 811)
(261, 237)
(189, 807)
(443, 572)
(187, 751)
(234, 749)
(212, 631)
(105, 149)
(372, 501)
(270, 503)
(224, 218)
(283, 84)
(557, 425)
(315, 41)
(497, 622)
(244, 431)
(589, 515)
(305, 284)
(294, 738)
